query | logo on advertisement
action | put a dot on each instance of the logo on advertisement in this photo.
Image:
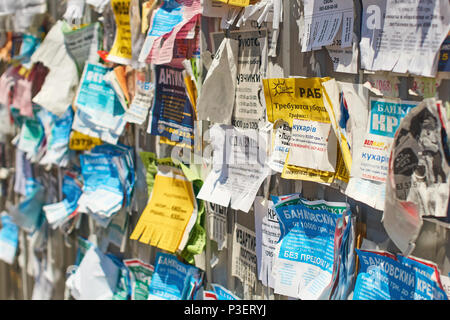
(375, 144)
(280, 87)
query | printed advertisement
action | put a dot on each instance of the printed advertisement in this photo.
(141, 276)
(324, 177)
(323, 20)
(163, 47)
(444, 64)
(214, 8)
(172, 113)
(55, 213)
(281, 137)
(165, 18)
(217, 224)
(344, 59)
(222, 293)
(385, 116)
(295, 98)
(79, 141)
(403, 36)
(383, 84)
(298, 98)
(142, 100)
(384, 278)
(101, 181)
(303, 259)
(244, 256)
(172, 279)
(220, 85)
(121, 49)
(249, 108)
(239, 3)
(9, 239)
(335, 102)
(169, 212)
(239, 168)
(267, 235)
(83, 44)
(312, 145)
(99, 111)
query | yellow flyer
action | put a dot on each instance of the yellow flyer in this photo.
(121, 49)
(295, 98)
(332, 104)
(239, 3)
(301, 98)
(170, 213)
(326, 177)
(79, 141)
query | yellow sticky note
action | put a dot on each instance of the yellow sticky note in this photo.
(295, 98)
(79, 141)
(166, 216)
(121, 49)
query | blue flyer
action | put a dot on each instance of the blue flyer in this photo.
(166, 18)
(56, 213)
(381, 277)
(9, 239)
(172, 279)
(172, 112)
(94, 95)
(223, 293)
(304, 256)
(30, 214)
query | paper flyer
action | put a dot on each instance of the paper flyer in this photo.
(385, 116)
(239, 168)
(161, 50)
(9, 239)
(168, 212)
(79, 141)
(99, 111)
(312, 145)
(393, 35)
(141, 276)
(244, 255)
(121, 49)
(172, 279)
(83, 44)
(295, 98)
(384, 278)
(303, 258)
(142, 100)
(217, 222)
(417, 180)
(268, 233)
(281, 137)
(248, 111)
(323, 20)
(172, 113)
